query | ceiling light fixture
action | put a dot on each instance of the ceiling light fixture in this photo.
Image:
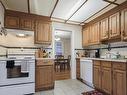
(74, 8)
(57, 38)
(22, 35)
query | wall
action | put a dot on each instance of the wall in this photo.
(121, 51)
(66, 42)
(76, 41)
(67, 47)
(2, 40)
(1, 14)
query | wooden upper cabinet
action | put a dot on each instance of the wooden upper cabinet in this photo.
(104, 29)
(91, 34)
(94, 34)
(27, 23)
(124, 24)
(85, 36)
(17, 22)
(12, 22)
(114, 26)
(43, 33)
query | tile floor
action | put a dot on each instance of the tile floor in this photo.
(67, 87)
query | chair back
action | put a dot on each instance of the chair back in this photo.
(59, 56)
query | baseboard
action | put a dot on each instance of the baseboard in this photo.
(87, 83)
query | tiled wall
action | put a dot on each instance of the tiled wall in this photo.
(122, 51)
(2, 51)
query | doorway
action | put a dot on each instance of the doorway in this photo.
(62, 52)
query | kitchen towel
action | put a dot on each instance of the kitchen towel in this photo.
(10, 64)
(24, 66)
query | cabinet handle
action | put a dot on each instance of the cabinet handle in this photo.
(106, 33)
(114, 76)
(111, 32)
(102, 73)
(123, 33)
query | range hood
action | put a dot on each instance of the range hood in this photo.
(20, 33)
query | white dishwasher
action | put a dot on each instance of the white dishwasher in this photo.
(86, 70)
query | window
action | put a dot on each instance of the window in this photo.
(58, 48)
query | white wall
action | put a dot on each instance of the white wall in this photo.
(2, 38)
(76, 41)
(67, 47)
(1, 14)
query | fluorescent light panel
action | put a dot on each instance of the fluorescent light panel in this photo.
(90, 8)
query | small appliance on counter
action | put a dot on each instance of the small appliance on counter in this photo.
(97, 53)
(41, 53)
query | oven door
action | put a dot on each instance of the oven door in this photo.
(17, 74)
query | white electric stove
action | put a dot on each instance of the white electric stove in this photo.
(19, 77)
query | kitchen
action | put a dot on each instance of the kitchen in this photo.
(98, 46)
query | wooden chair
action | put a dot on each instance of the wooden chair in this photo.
(58, 66)
(69, 60)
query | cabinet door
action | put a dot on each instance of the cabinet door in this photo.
(27, 23)
(106, 80)
(119, 82)
(78, 68)
(44, 77)
(104, 32)
(97, 76)
(95, 31)
(91, 34)
(114, 26)
(12, 22)
(43, 32)
(124, 24)
(85, 36)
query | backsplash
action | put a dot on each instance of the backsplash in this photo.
(3, 51)
(104, 50)
(121, 51)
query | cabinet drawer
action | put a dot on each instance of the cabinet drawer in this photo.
(120, 66)
(97, 63)
(106, 64)
(44, 62)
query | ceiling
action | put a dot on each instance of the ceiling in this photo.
(69, 11)
(63, 34)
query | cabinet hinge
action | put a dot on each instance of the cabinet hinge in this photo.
(120, 13)
(120, 32)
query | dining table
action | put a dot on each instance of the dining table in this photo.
(61, 64)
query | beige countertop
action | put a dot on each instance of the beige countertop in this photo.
(7, 59)
(101, 59)
(44, 58)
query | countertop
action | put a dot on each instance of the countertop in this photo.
(7, 59)
(101, 59)
(44, 58)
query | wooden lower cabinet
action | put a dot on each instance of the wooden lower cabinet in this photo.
(78, 68)
(110, 77)
(106, 80)
(44, 76)
(97, 77)
(119, 79)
